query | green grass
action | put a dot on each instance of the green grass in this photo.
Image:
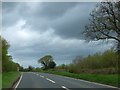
(0, 81)
(111, 79)
(8, 78)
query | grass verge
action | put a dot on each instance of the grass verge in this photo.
(8, 78)
(107, 79)
(0, 80)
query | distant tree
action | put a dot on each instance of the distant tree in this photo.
(47, 62)
(21, 68)
(30, 68)
(105, 22)
(63, 66)
(52, 64)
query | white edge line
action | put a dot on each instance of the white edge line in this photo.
(89, 81)
(50, 80)
(97, 83)
(19, 81)
(64, 87)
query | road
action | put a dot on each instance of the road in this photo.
(55, 82)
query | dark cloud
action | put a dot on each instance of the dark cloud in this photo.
(9, 6)
(67, 18)
(73, 23)
(37, 29)
(9, 13)
(61, 54)
(53, 10)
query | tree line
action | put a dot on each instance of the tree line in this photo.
(104, 25)
(7, 60)
(46, 61)
(104, 63)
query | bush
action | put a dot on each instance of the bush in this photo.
(106, 63)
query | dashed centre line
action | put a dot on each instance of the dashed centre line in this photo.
(53, 82)
(41, 76)
(65, 88)
(50, 80)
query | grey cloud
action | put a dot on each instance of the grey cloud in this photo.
(52, 10)
(9, 6)
(67, 18)
(72, 24)
(61, 54)
(10, 14)
(46, 14)
(35, 38)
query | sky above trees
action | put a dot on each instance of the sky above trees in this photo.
(36, 29)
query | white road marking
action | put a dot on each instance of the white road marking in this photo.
(89, 81)
(41, 76)
(65, 88)
(94, 83)
(98, 84)
(50, 80)
(19, 81)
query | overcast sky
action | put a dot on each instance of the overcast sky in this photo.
(35, 29)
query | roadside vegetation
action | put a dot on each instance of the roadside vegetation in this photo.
(9, 78)
(99, 63)
(109, 79)
(100, 68)
(0, 80)
(9, 68)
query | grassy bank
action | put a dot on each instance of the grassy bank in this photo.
(99, 78)
(0, 80)
(8, 78)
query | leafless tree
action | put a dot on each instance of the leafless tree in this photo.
(104, 23)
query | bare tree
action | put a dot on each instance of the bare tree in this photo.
(104, 23)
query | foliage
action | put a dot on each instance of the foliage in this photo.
(99, 78)
(38, 69)
(30, 68)
(52, 64)
(105, 63)
(47, 62)
(7, 63)
(0, 81)
(105, 23)
(21, 68)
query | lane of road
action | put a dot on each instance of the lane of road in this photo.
(33, 80)
(45, 80)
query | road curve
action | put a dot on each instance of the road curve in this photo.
(50, 81)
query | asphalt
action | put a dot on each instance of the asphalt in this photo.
(50, 81)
